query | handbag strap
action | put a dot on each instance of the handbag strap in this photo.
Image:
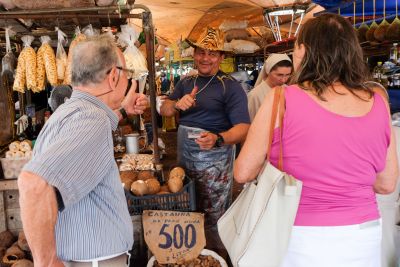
(278, 104)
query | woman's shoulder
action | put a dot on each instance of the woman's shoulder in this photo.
(377, 88)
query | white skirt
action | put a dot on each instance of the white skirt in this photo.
(335, 246)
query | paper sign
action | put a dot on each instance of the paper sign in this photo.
(174, 236)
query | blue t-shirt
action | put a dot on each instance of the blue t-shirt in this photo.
(218, 108)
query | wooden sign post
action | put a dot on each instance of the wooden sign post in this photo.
(174, 236)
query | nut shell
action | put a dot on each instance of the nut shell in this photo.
(175, 184)
(139, 188)
(145, 175)
(177, 172)
(153, 186)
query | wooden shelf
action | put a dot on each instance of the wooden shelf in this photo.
(8, 184)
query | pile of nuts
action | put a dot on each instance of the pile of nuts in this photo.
(200, 261)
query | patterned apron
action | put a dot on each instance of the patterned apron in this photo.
(212, 172)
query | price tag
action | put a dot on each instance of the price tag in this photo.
(174, 236)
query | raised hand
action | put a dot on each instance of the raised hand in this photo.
(187, 101)
(134, 103)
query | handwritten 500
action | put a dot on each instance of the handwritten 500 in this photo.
(179, 237)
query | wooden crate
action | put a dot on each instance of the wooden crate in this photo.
(10, 218)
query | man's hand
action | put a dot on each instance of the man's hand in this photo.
(134, 103)
(207, 140)
(187, 101)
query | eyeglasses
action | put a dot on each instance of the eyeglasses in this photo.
(129, 72)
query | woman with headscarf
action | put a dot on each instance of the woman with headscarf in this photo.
(276, 71)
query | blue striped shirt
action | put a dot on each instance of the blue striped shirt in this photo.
(74, 153)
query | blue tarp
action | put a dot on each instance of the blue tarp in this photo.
(347, 8)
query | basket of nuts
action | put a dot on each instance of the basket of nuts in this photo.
(144, 192)
(207, 258)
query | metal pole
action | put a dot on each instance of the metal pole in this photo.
(148, 29)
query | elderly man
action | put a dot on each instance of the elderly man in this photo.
(73, 207)
(213, 117)
(276, 71)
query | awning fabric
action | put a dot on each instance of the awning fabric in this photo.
(347, 7)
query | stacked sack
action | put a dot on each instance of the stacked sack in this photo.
(237, 38)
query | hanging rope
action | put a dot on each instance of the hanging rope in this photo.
(373, 2)
(384, 9)
(354, 14)
(363, 6)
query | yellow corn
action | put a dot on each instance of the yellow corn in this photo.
(20, 78)
(40, 71)
(30, 68)
(50, 64)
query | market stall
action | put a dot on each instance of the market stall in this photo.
(17, 153)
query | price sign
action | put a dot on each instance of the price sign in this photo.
(174, 236)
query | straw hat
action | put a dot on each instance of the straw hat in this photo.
(212, 39)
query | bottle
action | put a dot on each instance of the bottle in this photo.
(384, 76)
(394, 53)
(377, 72)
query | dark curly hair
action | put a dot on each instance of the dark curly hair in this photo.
(333, 54)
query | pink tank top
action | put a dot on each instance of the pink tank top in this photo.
(336, 157)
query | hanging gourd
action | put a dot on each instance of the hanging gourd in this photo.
(380, 32)
(362, 30)
(393, 32)
(370, 33)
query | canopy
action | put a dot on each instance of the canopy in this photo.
(347, 7)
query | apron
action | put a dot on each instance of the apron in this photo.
(212, 172)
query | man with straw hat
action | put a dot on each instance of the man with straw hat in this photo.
(213, 118)
(275, 72)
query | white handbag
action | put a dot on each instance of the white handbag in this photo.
(256, 229)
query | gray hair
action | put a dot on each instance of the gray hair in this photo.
(92, 59)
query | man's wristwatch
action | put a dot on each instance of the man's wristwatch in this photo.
(123, 113)
(220, 140)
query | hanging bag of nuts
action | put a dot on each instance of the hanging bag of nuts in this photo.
(47, 58)
(61, 56)
(8, 61)
(78, 38)
(133, 57)
(26, 68)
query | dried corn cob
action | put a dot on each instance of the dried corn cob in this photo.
(30, 68)
(50, 64)
(40, 71)
(68, 74)
(20, 77)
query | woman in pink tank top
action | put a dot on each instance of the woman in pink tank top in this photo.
(337, 140)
